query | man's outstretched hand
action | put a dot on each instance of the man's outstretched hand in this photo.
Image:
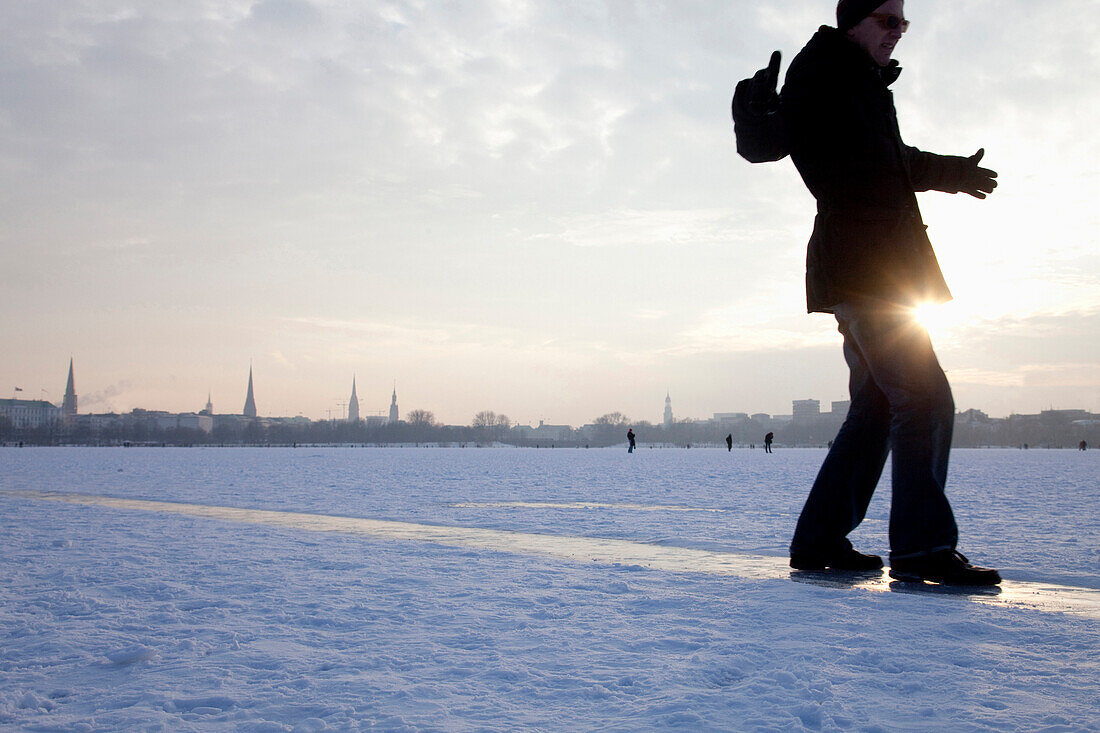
(975, 180)
(763, 98)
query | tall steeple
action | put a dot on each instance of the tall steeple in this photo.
(668, 410)
(250, 400)
(68, 407)
(209, 409)
(394, 415)
(353, 404)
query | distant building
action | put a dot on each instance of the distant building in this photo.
(162, 420)
(841, 407)
(193, 421)
(209, 409)
(971, 417)
(68, 406)
(761, 417)
(353, 404)
(30, 414)
(231, 423)
(250, 399)
(104, 421)
(668, 410)
(544, 433)
(1064, 415)
(298, 421)
(395, 416)
(805, 410)
(730, 418)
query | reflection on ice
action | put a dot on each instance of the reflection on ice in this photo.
(578, 505)
(1040, 596)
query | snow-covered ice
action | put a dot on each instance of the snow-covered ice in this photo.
(115, 617)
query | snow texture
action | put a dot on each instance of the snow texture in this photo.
(114, 618)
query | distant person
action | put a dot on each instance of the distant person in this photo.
(768, 442)
(630, 440)
(1082, 445)
(869, 263)
(729, 442)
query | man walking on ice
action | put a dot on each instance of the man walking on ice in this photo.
(870, 264)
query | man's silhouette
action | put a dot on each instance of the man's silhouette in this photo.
(869, 263)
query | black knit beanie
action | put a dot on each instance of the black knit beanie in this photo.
(849, 13)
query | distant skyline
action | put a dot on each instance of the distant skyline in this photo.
(364, 410)
(533, 208)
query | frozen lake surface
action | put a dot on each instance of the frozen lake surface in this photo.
(119, 616)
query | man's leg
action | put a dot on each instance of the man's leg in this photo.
(846, 481)
(899, 355)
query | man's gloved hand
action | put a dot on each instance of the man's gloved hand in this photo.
(757, 124)
(763, 99)
(975, 180)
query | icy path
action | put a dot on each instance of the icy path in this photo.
(1039, 596)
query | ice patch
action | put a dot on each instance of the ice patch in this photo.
(132, 655)
(310, 725)
(1041, 596)
(579, 505)
(216, 704)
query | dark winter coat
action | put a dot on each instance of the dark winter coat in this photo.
(869, 243)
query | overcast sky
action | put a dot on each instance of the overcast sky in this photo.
(533, 207)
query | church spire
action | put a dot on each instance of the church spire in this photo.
(68, 407)
(394, 414)
(668, 410)
(250, 400)
(353, 404)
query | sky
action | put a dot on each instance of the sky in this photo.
(530, 207)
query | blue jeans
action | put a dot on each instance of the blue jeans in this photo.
(901, 403)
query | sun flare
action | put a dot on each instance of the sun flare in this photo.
(933, 317)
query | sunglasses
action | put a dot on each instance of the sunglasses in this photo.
(890, 22)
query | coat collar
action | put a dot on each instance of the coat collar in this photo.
(833, 41)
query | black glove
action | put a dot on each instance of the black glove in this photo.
(763, 99)
(975, 180)
(761, 135)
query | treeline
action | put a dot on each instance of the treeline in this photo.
(1048, 430)
(488, 428)
(255, 432)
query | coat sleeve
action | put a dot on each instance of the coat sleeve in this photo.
(932, 172)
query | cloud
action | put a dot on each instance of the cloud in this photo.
(723, 332)
(286, 14)
(642, 228)
(384, 333)
(1066, 337)
(279, 358)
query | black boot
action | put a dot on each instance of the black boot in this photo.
(949, 567)
(847, 559)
